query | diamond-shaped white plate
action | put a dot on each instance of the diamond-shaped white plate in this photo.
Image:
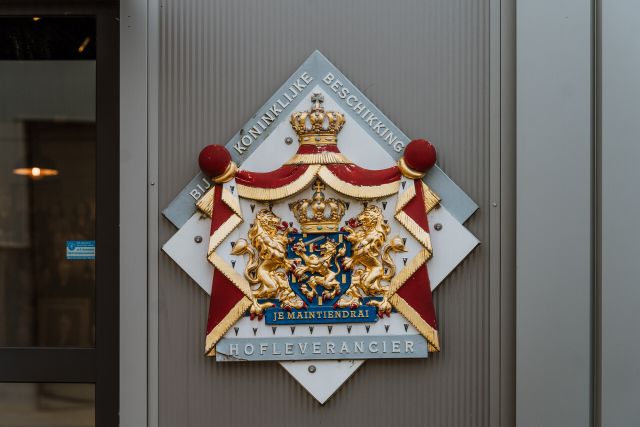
(452, 242)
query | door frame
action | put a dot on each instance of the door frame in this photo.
(138, 208)
(98, 365)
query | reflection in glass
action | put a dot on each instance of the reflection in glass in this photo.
(50, 405)
(47, 180)
(47, 37)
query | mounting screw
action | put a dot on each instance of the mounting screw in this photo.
(438, 226)
(312, 368)
(197, 239)
(494, 204)
(288, 140)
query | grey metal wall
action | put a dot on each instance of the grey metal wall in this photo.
(428, 65)
(555, 214)
(619, 374)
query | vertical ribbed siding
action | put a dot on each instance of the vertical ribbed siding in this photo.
(423, 63)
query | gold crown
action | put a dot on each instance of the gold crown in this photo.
(317, 126)
(317, 215)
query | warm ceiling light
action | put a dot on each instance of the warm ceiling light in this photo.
(35, 172)
(36, 18)
(84, 44)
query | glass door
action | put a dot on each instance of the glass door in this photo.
(58, 215)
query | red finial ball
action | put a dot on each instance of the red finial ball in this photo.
(420, 155)
(214, 160)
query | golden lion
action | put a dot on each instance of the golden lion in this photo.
(369, 257)
(268, 263)
(320, 268)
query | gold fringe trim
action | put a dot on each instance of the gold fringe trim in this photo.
(225, 324)
(407, 171)
(318, 158)
(205, 203)
(431, 198)
(416, 231)
(405, 198)
(232, 202)
(231, 274)
(240, 282)
(405, 274)
(426, 330)
(356, 191)
(256, 193)
(227, 175)
(223, 231)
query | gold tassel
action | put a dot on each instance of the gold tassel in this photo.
(205, 203)
(431, 198)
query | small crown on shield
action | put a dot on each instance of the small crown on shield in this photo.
(317, 126)
(318, 215)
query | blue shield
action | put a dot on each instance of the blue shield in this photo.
(319, 280)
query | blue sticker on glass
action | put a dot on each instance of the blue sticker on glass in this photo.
(81, 249)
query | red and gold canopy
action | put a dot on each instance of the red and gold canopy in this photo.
(410, 287)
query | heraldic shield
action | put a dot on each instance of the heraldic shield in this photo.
(320, 251)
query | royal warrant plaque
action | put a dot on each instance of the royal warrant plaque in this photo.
(320, 231)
